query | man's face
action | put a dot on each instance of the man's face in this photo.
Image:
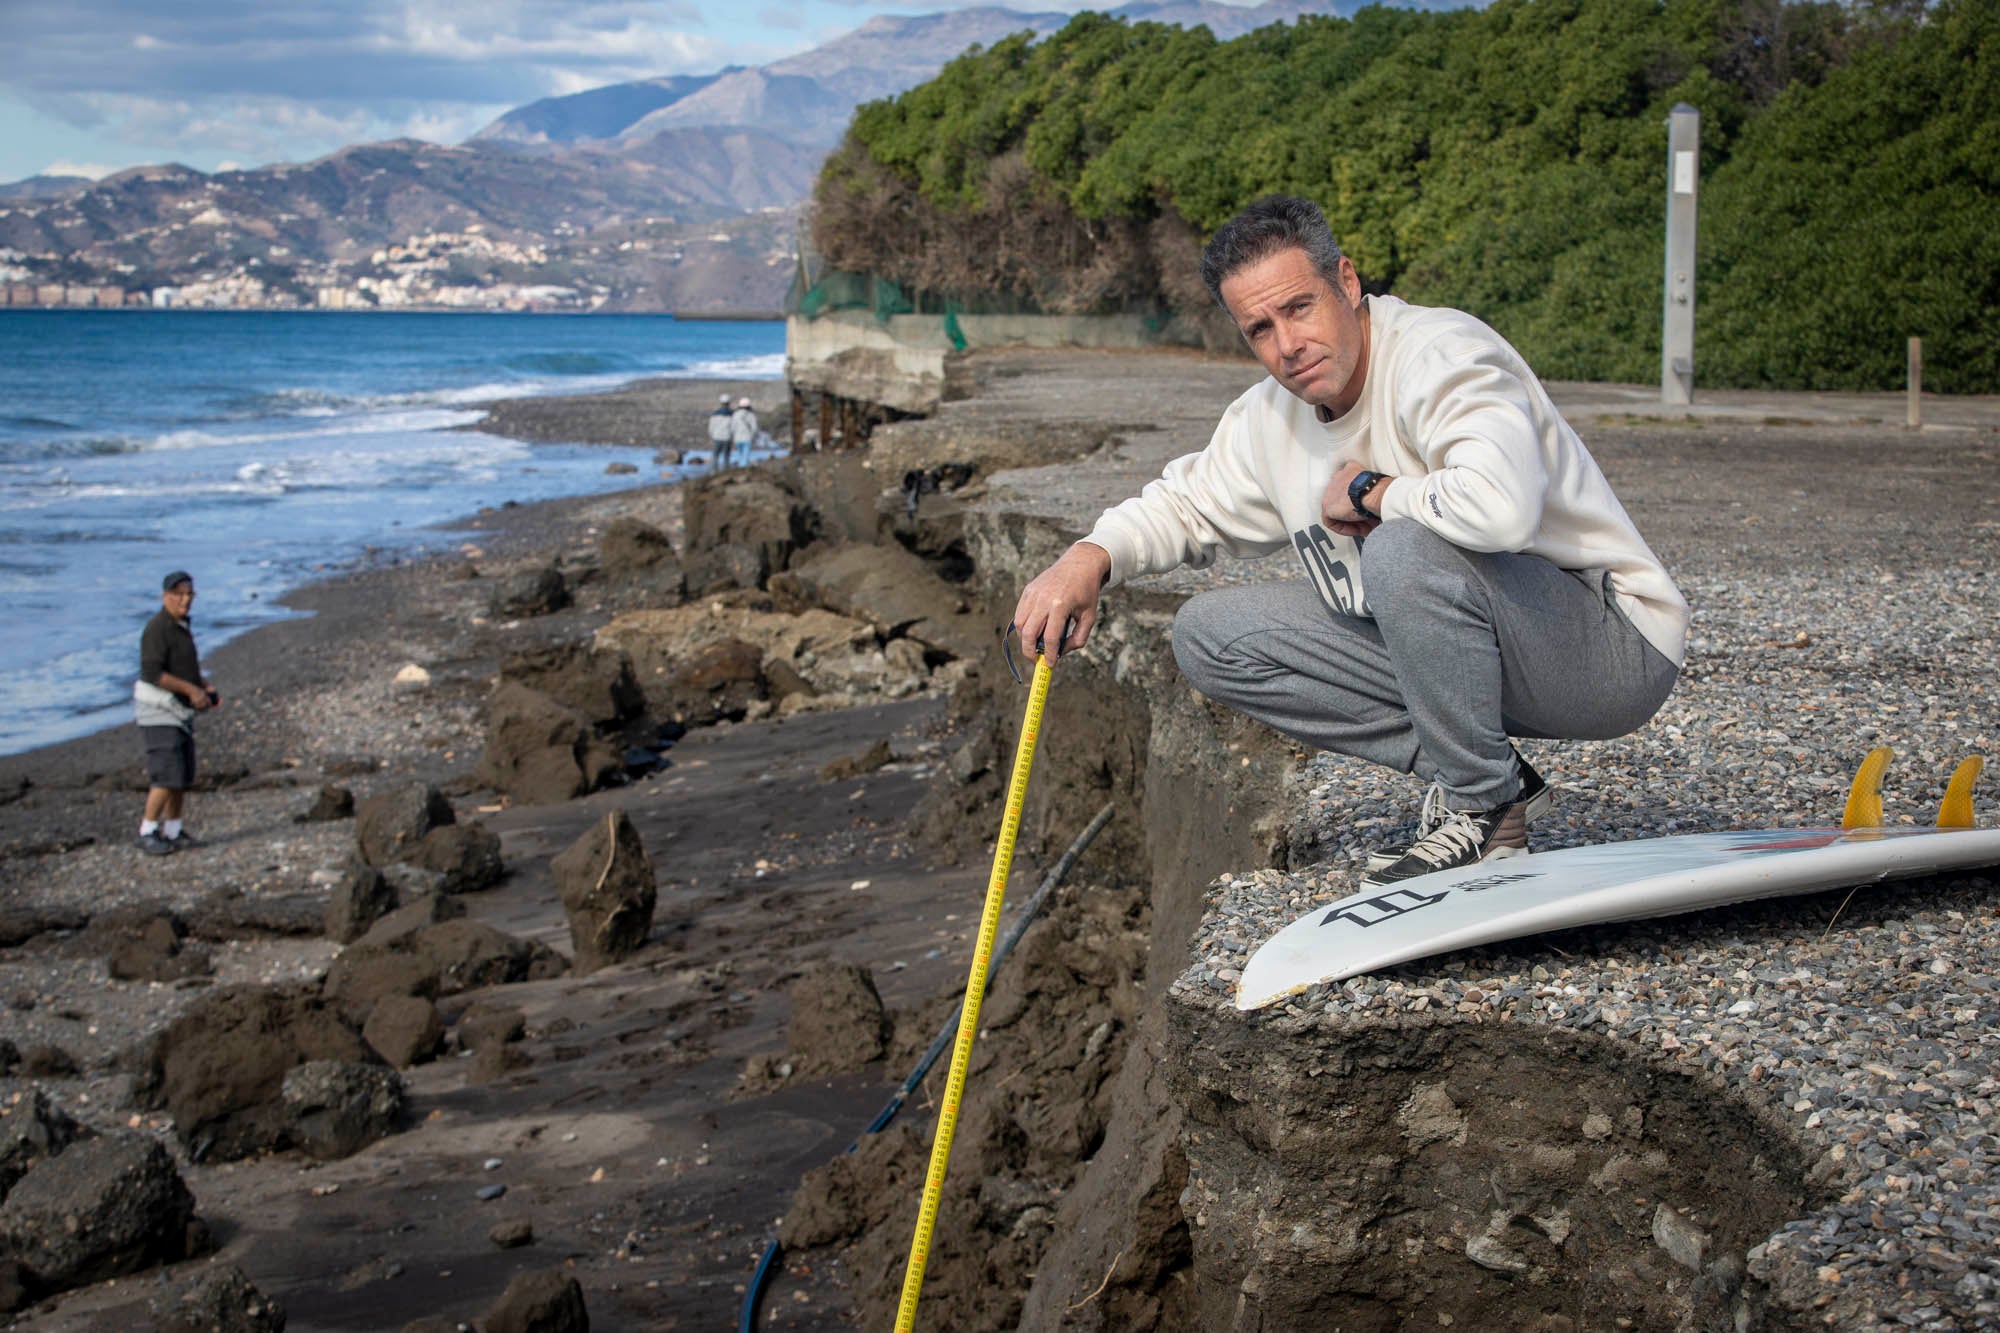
(1309, 333)
(178, 600)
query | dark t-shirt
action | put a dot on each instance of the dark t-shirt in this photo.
(168, 645)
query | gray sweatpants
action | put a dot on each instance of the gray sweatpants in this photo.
(1465, 650)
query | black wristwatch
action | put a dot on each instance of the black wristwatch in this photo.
(1357, 491)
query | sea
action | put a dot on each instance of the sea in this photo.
(262, 450)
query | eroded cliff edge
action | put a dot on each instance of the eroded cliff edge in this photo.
(1771, 1116)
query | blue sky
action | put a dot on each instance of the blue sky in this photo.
(93, 86)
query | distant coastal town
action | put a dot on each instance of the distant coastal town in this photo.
(437, 270)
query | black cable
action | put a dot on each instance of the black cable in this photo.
(772, 1249)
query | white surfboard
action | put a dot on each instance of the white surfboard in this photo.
(1623, 881)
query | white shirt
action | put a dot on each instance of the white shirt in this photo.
(1479, 455)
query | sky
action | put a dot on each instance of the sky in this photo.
(88, 87)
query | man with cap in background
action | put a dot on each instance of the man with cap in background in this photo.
(719, 431)
(169, 692)
(743, 430)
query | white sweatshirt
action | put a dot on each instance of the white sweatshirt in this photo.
(1479, 455)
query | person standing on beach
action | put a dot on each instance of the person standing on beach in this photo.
(169, 692)
(1471, 577)
(743, 429)
(719, 423)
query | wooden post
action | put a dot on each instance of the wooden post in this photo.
(825, 421)
(1914, 417)
(798, 419)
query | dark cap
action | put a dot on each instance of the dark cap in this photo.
(175, 580)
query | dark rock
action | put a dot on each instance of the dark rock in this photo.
(534, 593)
(390, 825)
(750, 509)
(218, 1299)
(152, 951)
(596, 683)
(720, 568)
(410, 882)
(14, 1292)
(512, 1235)
(10, 1056)
(440, 959)
(103, 1208)
(219, 1068)
(45, 1060)
(606, 884)
(351, 766)
(360, 899)
(495, 1062)
(420, 910)
(331, 803)
(229, 913)
(838, 1022)
(639, 556)
(336, 1108)
(485, 1025)
(720, 680)
(405, 1030)
(539, 751)
(31, 1130)
(467, 855)
(854, 765)
(892, 589)
(548, 1301)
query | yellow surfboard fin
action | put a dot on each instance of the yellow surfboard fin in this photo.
(1956, 812)
(1864, 798)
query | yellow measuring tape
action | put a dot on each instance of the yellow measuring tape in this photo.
(975, 990)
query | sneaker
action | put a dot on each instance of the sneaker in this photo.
(182, 841)
(1536, 796)
(1465, 838)
(152, 844)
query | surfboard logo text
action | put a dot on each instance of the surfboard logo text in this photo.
(1383, 907)
(1485, 882)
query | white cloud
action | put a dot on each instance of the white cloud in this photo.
(65, 167)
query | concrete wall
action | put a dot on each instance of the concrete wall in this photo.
(902, 364)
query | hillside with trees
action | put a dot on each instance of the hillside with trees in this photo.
(1509, 161)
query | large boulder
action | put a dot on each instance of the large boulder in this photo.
(31, 1130)
(812, 653)
(838, 1022)
(719, 681)
(405, 1030)
(220, 1067)
(151, 949)
(435, 960)
(360, 896)
(596, 682)
(535, 592)
(466, 855)
(606, 884)
(752, 511)
(336, 1108)
(103, 1208)
(893, 590)
(390, 824)
(218, 1299)
(546, 1301)
(539, 751)
(636, 557)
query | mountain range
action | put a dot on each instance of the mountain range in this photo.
(678, 192)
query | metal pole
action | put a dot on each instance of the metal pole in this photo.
(1914, 416)
(1677, 343)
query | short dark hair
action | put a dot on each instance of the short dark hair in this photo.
(1275, 222)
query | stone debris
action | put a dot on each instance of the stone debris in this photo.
(546, 1301)
(605, 882)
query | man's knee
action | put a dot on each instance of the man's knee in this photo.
(1398, 548)
(1202, 627)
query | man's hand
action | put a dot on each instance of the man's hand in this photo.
(1063, 594)
(1338, 513)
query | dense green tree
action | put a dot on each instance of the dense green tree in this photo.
(1509, 161)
